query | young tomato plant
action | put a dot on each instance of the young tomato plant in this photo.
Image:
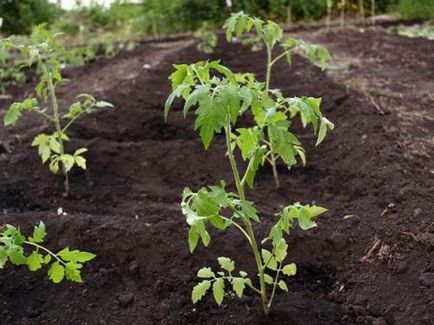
(46, 52)
(220, 98)
(258, 34)
(65, 264)
(207, 38)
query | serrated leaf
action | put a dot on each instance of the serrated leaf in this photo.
(103, 104)
(3, 256)
(193, 239)
(16, 256)
(80, 161)
(324, 125)
(12, 115)
(226, 263)
(35, 261)
(39, 233)
(200, 290)
(218, 290)
(282, 285)
(75, 255)
(290, 269)
(205, 272)
(211, 118)
(280, 250)
(72, 272)
(268, 259)
(56, 272)
(54, 144)
(68, 161)
(238, 285)
(268, 279)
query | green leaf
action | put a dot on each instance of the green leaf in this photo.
(196, 96)
(179, 75)
(211, 118)
(226, 263)
(324, 125)
(280, 250)
(249, 210)
(193, 239)
(268, 279)
(80, 151)
(268, 259)
(3, 256)
(74, 110)
(248, 141)
(68, 161)
(305, 220)
(12, 115)
(35, 261)
(54, 144)
(54, 165)
(200, 290)
(16, 256)
(290, 269)
(205, 272)
(218, 290)
(72, 272)
(39, 233)
(282, 285)
(103, 104)
(238, 285)
(80, 161)
(176, 93)
(75, 255)
(56, 272)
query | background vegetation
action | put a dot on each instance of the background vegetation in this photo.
(153, 17)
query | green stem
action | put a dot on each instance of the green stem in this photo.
(270, 63)
(246, 221)
(56, 121)
(275, 285)
(46, 250)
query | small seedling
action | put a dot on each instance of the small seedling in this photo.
(66, 264)
(220, 98)
(207, 38)
(48, 54)
(258, 34)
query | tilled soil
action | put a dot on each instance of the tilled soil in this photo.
(125, 207)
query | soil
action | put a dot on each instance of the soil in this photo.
(375, 174)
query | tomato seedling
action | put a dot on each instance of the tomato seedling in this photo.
(220, 98)
(48, 54)
(66, 264)
(257, 33)
(207, 38)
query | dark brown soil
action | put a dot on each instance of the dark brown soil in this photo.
(125, 207)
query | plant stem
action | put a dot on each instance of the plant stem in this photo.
(56, 121)
(46, 250)
(247, 223)
(274, 286)
(270, 63)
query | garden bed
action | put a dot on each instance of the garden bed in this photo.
(125, 207)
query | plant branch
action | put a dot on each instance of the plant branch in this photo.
(46, 250)
(274, 285)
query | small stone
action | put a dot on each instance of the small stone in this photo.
(126, 299)
(379, 321)
(133, 268)
(417, 212)
(427, 279)
(338, 240)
